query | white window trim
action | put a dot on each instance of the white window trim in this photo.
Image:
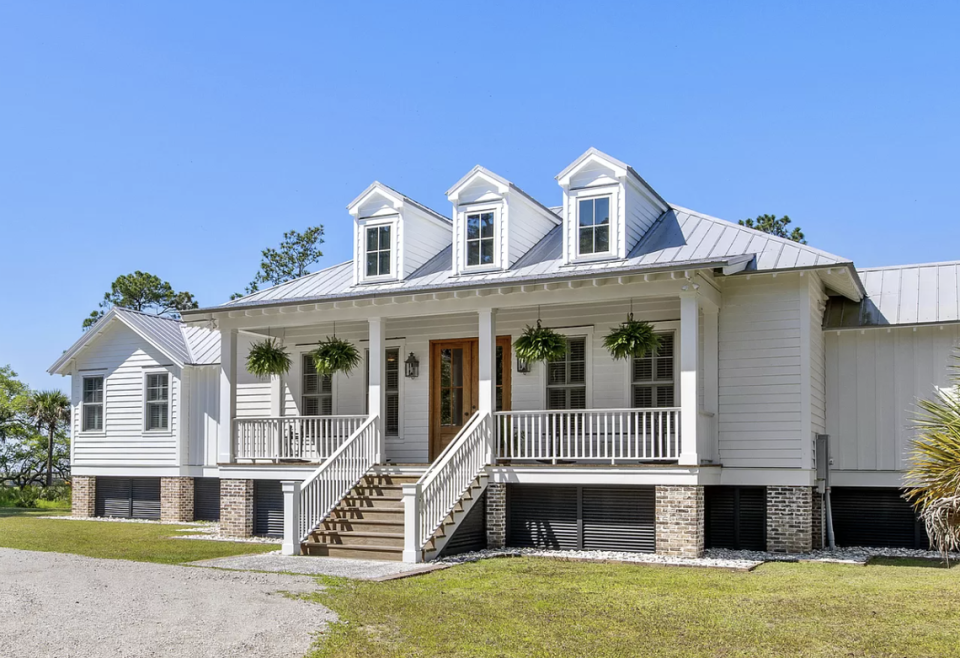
(80, 404)
(658, 327)
(570, 332)
(572, 199)
(401, 391)
(597, 255)
(143, 425)
(297, 393)
(496, 208)
(393, 221)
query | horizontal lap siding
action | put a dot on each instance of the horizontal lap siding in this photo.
(122, 357)
(526, 225)
(761, 417)
(873, 379)
(253, 393)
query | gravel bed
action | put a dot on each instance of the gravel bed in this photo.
(112, 519)
(317, 566)
(717, 558)
(65, 606)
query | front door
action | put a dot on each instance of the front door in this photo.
(454, 384)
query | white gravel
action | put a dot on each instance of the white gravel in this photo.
(317, 566)
(60, 605)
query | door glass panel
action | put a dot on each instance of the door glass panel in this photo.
(451, 387)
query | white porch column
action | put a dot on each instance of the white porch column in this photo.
(376, 378)
(276, 395)
(228, 394)
(411, 523)
(708, 444)
(291, 517)
(487, 367)
(689, 355)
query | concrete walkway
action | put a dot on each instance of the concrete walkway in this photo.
(59, 605)
(320, 566)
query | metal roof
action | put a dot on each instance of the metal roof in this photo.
(901, 295)
(680, 239)
(184, 345)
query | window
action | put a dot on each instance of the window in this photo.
(378, 251)
(594, 226)
(567, 378)
(92, 405)
(480, 239)
(653, 376)
(158, 402)
(317, 398)
(391, 412)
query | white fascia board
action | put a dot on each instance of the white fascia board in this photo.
(376, 187)
(592, 155)
(501, 183)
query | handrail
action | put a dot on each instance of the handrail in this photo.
(452, 473)
(613, 435)
(338, 475)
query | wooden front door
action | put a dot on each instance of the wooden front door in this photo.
(454, 380)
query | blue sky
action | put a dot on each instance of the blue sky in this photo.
(181, 138)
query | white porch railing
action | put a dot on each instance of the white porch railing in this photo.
(614, 435)
(428, 502)
(340, 473)
(306, 438)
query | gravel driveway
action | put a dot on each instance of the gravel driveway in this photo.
(53, 604)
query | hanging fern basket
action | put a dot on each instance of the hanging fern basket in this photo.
(632, 339)
(540, 344)
(267, 358)
(335, 355)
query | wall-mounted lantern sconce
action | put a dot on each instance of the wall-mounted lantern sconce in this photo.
(412, 365)
(523, 367)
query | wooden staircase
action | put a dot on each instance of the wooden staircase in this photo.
(368, 523)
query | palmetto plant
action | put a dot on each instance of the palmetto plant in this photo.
(49, 409)
(335, 355)
(540, 344)
(933, 475)
(268, 357)
(633, 338)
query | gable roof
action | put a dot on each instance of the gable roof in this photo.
(902, 295)
(182, 344)
(386, 190)
(479, 170)
(596, 154)
(680, 239)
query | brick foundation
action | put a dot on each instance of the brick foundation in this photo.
(84, 494)
(496, 515)
(680, 519)
(176, 499)
(816, 521)
(236, 508)
(789, 519)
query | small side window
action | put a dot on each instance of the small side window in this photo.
(91, 405)
(480, 240)
(593, 226)
(378, 251)
(158, 402)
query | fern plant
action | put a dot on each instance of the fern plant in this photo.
(268, 357)
(933, 474)
(335, 355)
(633, 338)
(540, 344)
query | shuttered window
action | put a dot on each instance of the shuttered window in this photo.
(158, 401)
(391, 411)
(567, 378)
(317, 397)
(480, 239)
(378, 251)
(653, 376)
(91, 412)
(594, 226)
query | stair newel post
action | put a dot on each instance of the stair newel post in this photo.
(412, 544)
(291, 517)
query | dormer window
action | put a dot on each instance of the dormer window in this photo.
(378, 251)
(594, 226)
(480, 240)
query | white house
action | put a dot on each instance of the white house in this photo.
(442, 441)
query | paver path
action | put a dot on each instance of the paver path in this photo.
(53, 604)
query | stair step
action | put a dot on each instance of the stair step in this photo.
(368, 513)
(354, 551)
(375, 479)
(384, 491)
(362, 525)
(364, 501)
(350, 538)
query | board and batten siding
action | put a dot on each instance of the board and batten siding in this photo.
(873, 379)
(760, 419)
(122, 357)
(201, 414)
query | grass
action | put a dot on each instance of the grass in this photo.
(144, 542)
(541, 607)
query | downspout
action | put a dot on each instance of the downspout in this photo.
(823, 477)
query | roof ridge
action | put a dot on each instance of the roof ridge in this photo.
(134, 311)
(903, 267)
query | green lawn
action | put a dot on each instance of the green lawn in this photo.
(144, 542)
(540, 607)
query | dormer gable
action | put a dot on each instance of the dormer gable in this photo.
(393, 235)
(607, 208)
(494, 222)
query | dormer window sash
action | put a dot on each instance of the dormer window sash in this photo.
(379, 258)
(481, 239)
(593, 226)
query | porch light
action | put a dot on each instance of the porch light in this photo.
(412, 365)
(523, 366)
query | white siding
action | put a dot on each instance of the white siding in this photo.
(873, 379)
(817, 300)
(122, 357)
(201, 414)
(641, 211)
(527, 225)
(253, 393)
(760, 372)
